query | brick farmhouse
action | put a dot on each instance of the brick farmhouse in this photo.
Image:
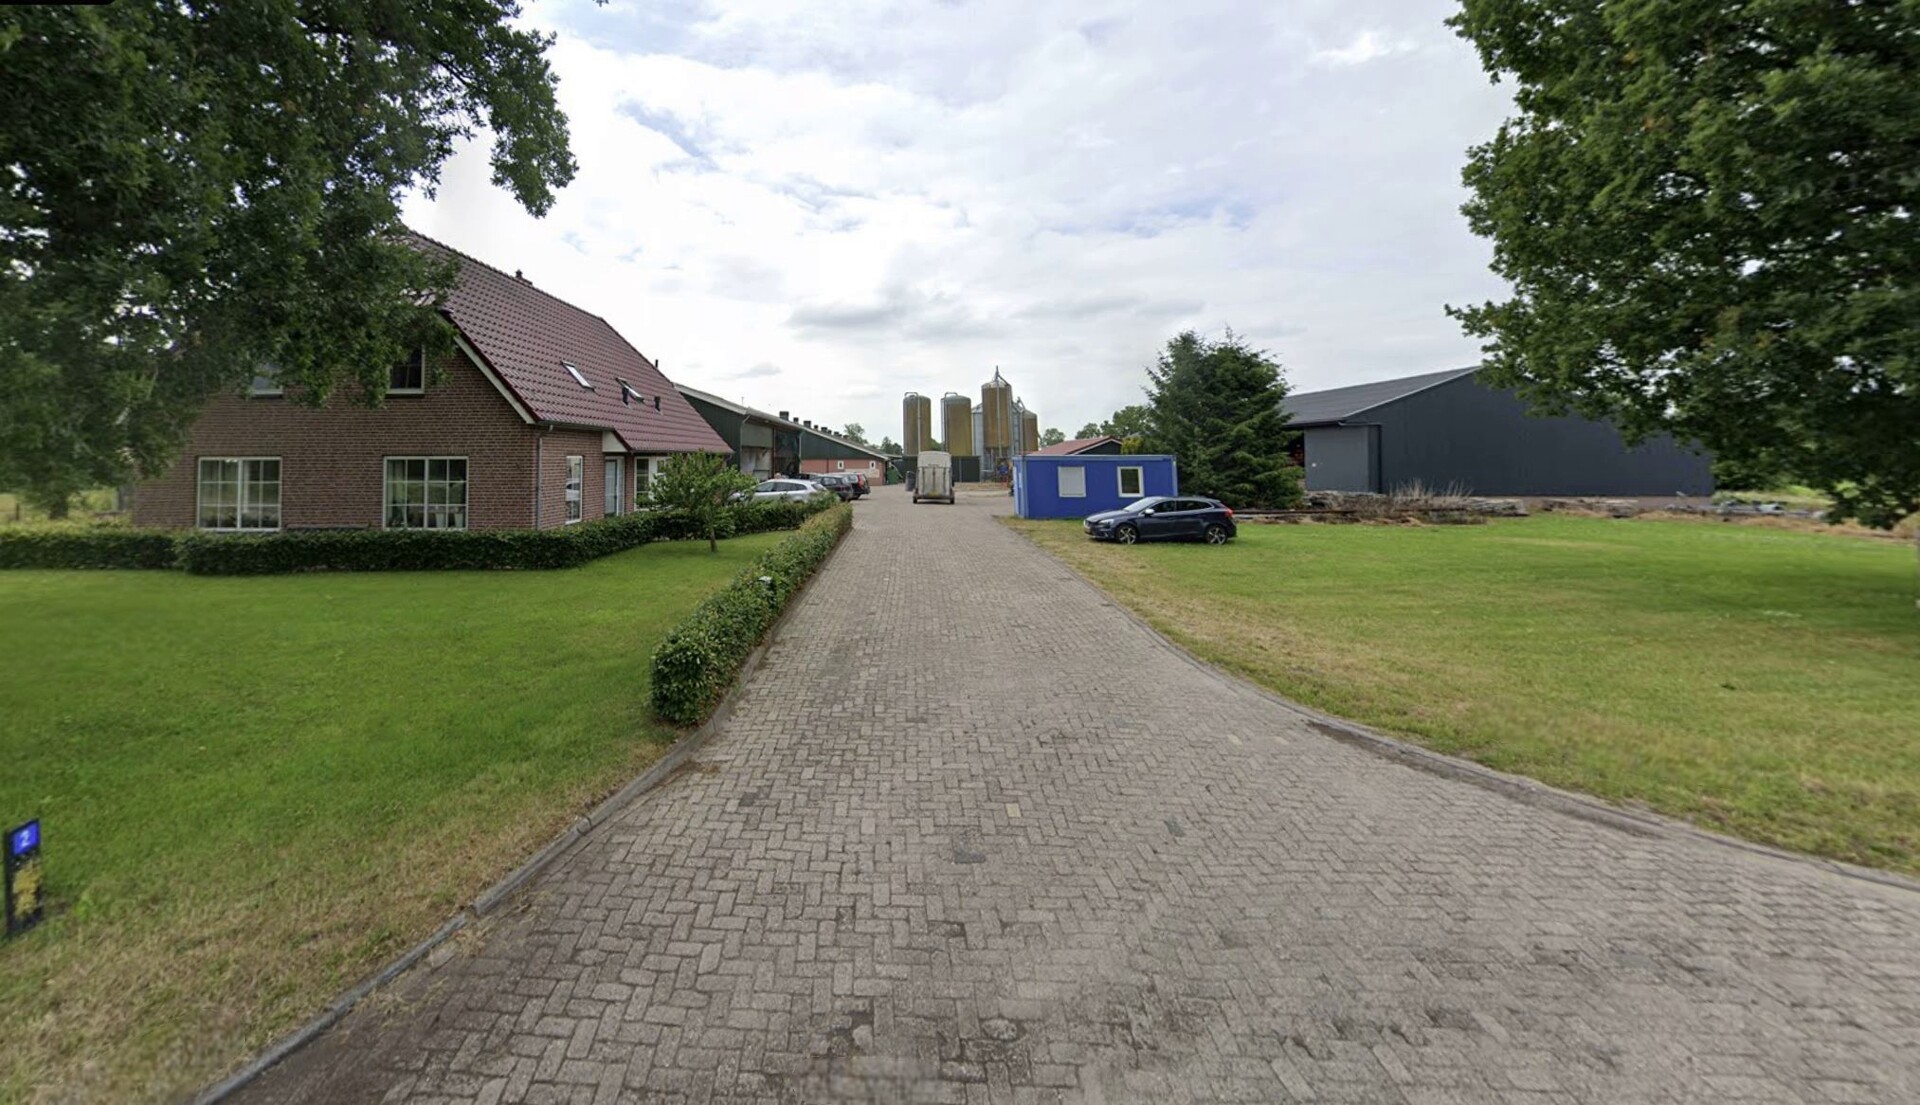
(543, 416)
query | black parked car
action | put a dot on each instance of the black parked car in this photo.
(842, 486)
(1165, 518)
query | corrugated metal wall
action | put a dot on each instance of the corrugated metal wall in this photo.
(1485, 440)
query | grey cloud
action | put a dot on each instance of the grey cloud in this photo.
(670, 127)
(1099, 31)
(1091, 307)
(736, 276)
(901, 312)
(815, 194)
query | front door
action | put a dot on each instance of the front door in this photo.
(615, 500)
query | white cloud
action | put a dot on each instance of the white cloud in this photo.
(878, 197)
(1366, 46)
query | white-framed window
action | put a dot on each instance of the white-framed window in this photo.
(644, 471)
(409, 377)
(426, 492)
(615, 501)
(840, 466)
(266, 381)
(578, 377)
(238, 493)
(1073, 482)
(576, 483)
(1132, 479)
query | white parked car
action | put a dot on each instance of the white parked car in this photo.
(796, 490)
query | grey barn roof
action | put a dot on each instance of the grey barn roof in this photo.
(1338, 404)
(742, 409)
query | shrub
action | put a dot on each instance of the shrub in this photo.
(778, 514)
(378, 550)
(700, 659)
(405, 550)
(700, 487)
(85, 547)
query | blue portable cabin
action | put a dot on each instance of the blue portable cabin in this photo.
(1047, 486)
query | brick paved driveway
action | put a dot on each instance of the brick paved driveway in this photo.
(972, 835)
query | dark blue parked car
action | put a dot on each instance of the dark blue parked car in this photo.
(1165, 518)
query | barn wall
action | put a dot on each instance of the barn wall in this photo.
(1341, 458)
(1487, 441)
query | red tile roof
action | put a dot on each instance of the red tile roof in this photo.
(1077, 445)
(528, 336)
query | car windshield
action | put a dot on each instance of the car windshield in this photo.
(1145, 503)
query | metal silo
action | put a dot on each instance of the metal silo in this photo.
(956, 424)
(1029, 431)
(996, 414)
(916, 417)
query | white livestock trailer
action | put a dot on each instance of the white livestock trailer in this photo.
(933, 479)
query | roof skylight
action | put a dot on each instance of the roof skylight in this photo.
(575, 373)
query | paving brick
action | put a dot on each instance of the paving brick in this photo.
(932, 856)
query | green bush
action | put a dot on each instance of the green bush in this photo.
(409, 550)
(751, 517)
(85, 547)
(377, 550)
(700, 659)
(405, 550)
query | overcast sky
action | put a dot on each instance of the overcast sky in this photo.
(819, 206)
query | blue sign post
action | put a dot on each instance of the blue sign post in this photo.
(24, 901)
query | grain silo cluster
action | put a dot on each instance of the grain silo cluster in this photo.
(982, 437)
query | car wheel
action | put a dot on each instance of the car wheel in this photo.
(1216, 534)
(1126, 535)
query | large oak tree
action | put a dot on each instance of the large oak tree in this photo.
(192, 188)
(1707, 212)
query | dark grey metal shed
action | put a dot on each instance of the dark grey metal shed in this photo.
(1445, 429)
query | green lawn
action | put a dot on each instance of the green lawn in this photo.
(1759, 682)
(256, 790)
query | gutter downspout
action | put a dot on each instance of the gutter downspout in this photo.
(539, 467)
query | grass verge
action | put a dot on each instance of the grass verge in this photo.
(1756, 681)
(256, 790)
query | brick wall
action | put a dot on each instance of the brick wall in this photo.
(869, 468)
(332, 458)
(555, 447)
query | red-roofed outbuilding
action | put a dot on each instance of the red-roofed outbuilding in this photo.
(1084, 446)
(543, 416)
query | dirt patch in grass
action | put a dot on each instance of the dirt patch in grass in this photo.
(1906, 531)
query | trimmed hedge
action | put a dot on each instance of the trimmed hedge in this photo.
(403, 550)
(700, 659)
(85, 547)
(378, 550)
